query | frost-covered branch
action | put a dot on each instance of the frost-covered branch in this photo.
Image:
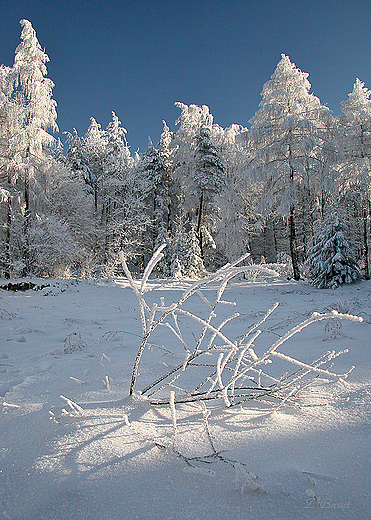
(214, 366)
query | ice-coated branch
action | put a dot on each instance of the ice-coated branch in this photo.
(312, 368)
(215, 366)
(158, 255)
(173, 415)
(150, 324)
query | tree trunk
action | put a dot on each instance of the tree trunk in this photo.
(275, 240)
(96, 198)
(198, 230)
(7, 237)
(293, 248)
(26, 224)
(155, 223)
(366, 242)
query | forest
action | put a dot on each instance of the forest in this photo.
(291, 186)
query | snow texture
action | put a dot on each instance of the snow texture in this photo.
(73, 446)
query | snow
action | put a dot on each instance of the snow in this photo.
(74, 445)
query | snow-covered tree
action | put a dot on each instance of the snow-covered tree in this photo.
(355, 172)
(164, 265)
(331, 260)
(85, 157)
(231, 236)
(356, 121)
(199, 168)
(157, 183)
(209, 178)
(286, 135)
(33, 92)
(194, 265)
(179, 253)
(186, 259)
(10, 160)
(192, 118)
(93, 151)
(28, 112)
(112, 176)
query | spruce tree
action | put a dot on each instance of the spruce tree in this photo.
(194, 265)
(331, 260)
(179, 253)
(209, 178)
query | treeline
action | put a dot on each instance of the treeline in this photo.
(209, 193)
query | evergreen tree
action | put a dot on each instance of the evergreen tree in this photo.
(158, 184)
(194, 265)
(27, 112)
(209, 178)
(93, 150)
(164, 265)
(199, 169)
(186, 260)
(179, 253)
(331, 260)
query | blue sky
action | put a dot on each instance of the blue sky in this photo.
(137, 57)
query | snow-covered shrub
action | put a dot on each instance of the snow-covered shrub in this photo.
(194, 265)
(186, 259)
(179, 252)
(164, 266)
(212, 366)
(331, 261)
(73, 342)
(284, 264)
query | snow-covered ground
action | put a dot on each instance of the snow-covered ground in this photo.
(73, 445)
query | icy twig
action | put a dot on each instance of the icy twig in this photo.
(246, 478)
(158, 255)
(74, 406)
(173, 415)
(78, 380)
(230, 363)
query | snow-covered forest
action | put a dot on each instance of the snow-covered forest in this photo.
(226, 386)
(210, 193)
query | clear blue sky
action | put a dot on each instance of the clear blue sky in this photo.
(137, 57)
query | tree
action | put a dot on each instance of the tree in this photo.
(355, 139)
(198, 168)
(179, 253)
(186, 254)
(287, 132)
(231, 231)
(194, 264)
(33, 92)
(10, 133)
(209, 178)
(331, 260)
(102, 158)
(157, 187)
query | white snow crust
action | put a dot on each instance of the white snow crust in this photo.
(73, 445)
